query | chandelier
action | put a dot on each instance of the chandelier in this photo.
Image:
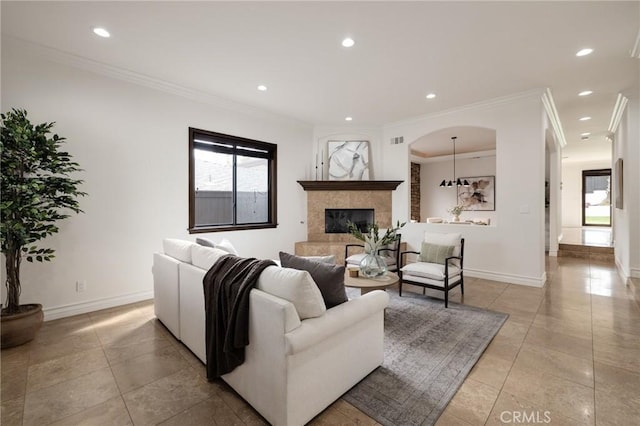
(456, 180)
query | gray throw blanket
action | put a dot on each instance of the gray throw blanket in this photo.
(226, 300)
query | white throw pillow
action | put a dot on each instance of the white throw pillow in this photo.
(178, 249)
(227, 246)
(295, 286)
(204, 257)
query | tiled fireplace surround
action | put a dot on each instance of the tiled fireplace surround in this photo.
(341, 195)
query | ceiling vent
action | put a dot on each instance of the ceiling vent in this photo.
(397, 140)
(584, 138)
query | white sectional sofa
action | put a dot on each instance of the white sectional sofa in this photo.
(301, 356)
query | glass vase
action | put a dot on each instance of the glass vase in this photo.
(373, 265)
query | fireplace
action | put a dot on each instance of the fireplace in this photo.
(336, 220)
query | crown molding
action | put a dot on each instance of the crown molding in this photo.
(535, 93)
(96, 67)
(618, 111)
(554, 118)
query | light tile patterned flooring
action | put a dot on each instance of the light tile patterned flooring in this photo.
(569, 352)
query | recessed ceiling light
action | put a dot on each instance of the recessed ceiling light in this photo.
(262, 88)
(585, 93)
(585, 118)
(348, 118)
(101, 32)
(348, 42)
(584, 52)
(585, 134)
(431, 95)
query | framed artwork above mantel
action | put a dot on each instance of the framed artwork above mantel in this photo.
(348, 160)
(480, 195)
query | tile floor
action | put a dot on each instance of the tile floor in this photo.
(588, 235)
(569, 353)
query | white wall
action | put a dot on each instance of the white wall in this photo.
(512, 251)
(626, 231)
(572, 190)
(133, 143)
(436, 201)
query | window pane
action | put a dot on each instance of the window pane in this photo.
(597, 200)
(213, 188)
(253, 190)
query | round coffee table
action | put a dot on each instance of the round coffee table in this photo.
(369, 284)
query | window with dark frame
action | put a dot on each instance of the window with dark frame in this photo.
(232, 182)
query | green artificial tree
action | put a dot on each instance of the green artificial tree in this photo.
(37, 191)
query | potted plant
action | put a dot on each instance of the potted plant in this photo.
(374, 265)
(455, 211)
(37, 191)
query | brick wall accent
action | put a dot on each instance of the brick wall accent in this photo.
(415, 192)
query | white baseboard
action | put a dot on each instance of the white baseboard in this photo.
(622, 271)
(507, 278)
(95, 305)
(553, 253)
(635, 272)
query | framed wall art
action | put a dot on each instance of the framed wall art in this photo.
(480, 195)
(348, 160)
(619, 187)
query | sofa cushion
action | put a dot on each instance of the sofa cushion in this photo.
(295, 286)
(329, 278)
(433, 271)
(434, 253)
(178, 249)
(204, 257)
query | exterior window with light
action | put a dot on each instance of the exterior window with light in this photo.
(232, 183)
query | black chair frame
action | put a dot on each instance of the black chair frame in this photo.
(395, 252)
(446, 286)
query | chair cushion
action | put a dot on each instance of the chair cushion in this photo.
(355, 259)
(295, 286)
(433, 271)
(328, 278)
(412, 279)
(433, 253)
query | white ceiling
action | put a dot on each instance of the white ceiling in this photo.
(465, 52)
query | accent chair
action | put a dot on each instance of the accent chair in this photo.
(439, 264)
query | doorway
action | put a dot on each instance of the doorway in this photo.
(596, 197)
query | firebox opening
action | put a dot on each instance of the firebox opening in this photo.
(335, 220)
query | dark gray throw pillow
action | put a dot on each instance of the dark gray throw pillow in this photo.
(329, 278)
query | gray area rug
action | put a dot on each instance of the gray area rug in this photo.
(429, 351)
